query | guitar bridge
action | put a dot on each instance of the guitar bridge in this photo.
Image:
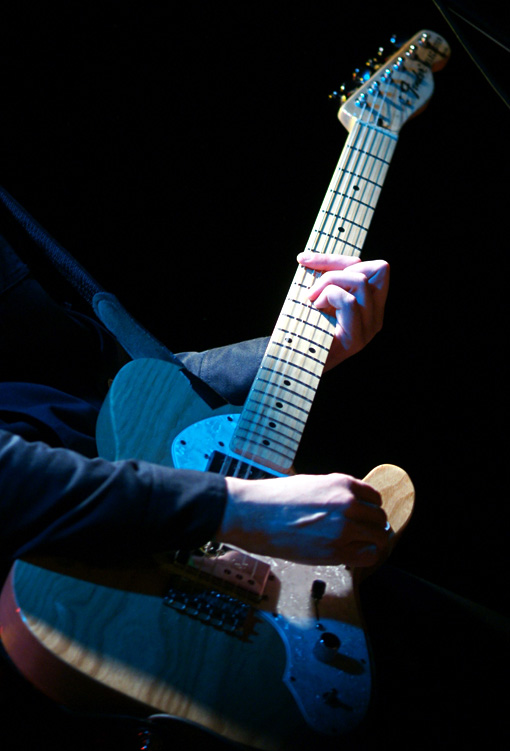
(218, 589)
(210, 606)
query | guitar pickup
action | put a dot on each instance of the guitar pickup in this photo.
(235, 568)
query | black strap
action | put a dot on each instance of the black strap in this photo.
(59, 257)
(130, 334)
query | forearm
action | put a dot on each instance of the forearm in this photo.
(54, 501)
(311, 519)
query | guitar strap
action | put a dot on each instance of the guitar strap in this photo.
(131, 335)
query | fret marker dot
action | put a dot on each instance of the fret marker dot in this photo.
(266, 442)
(312, 350)
(287, 382)
(272, 425)
(279, 405)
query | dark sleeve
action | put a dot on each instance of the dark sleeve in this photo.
(56, 501)
(228, 370)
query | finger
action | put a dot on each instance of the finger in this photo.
(326, 261)
(353, 313)
(329, 262)
(376, 271)
(367, 513)
(369, 275)
(366, 492)
(348, 280)
(360, 533)
(362, 556)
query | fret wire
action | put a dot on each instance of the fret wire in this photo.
(281, 449)
(368, 156)
(338, 204)
(340, 173)
(292, 391)
(282, 428)
(306, 339)
(308, 357)
(292, 433)
(366, 140)
(343, 163)
(294, 405)
(283, 440)
(295, 319)
(364, 155)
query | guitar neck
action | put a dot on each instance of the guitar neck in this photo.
(275, 413)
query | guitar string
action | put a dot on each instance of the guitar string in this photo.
(366, 177)
(383, 144)
(347, 173)
(338, 206)
(359, 218)
(363, 158)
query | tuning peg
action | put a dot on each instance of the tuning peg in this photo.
(362, 75)
(342, 94)
(374, 63)
(383, 53)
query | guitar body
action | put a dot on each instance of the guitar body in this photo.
(106, 640)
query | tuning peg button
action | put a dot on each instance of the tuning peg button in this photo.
(411, 52)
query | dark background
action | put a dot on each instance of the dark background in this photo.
(182, 155)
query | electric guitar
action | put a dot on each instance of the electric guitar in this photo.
(268, 653)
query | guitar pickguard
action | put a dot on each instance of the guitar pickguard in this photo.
(205, 444)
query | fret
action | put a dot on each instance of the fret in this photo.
(336, 238)
(320, 330)
(288, 383)
(296, 409)
(277, 408)
(303, 390)
(353, 200)
(307, 340)
(291, 428)
(365, 178)
(377, 158)
(307, 358)
(306, 364)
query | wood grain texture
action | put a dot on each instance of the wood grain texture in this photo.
(149, 403)
(101, 639)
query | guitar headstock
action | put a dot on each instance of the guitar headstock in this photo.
(401, 85)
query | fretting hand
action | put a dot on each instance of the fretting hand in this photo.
(352, 291)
